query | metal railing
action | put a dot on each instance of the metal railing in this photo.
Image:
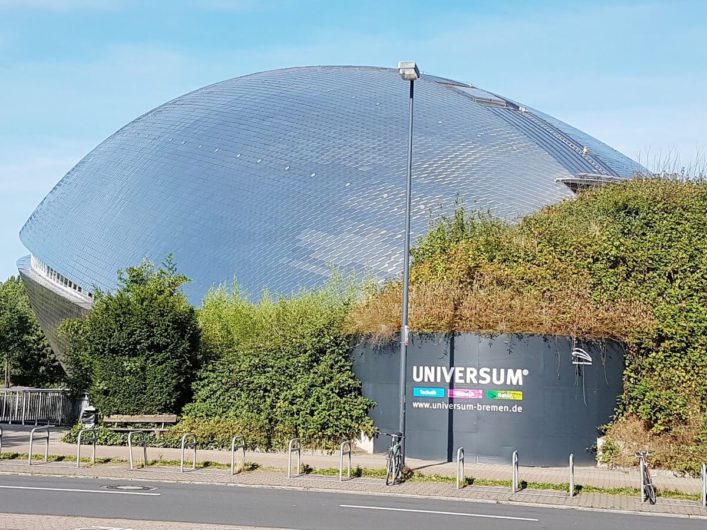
(571, 474)
(461, 481)
(144, 447)
(346, 448)
(294, 446)
(235, 445)
(38, 405)
(642, 471)
(514, 461)
(188, 445)
(704, 484)
(90, 430)
(31, 441)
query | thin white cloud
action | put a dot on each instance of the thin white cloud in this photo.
(34, 175)
(26, 177)
(61, 5)
(230, 5)
(88, 100)
(627, 110)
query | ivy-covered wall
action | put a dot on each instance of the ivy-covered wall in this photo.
(626, 262)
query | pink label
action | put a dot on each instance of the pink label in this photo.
(466, 393)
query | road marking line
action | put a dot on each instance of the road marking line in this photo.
(435, 512)
(70, 490)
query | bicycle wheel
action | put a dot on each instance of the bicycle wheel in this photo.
(650, 493)
(389, 471)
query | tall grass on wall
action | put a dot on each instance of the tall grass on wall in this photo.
(280, 367)
(625, 261)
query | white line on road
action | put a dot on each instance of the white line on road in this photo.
(434, 512)
(70, 490)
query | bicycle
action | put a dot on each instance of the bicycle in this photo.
(394, 461)
(648, 491)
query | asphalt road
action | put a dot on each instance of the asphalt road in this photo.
(279, 508)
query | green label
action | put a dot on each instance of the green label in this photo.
(515, 395)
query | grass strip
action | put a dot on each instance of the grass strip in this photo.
(367, 472)
(37, 457)
(473, 481)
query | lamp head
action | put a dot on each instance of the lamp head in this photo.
(408, 70)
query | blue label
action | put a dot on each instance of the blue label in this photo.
(428, 392)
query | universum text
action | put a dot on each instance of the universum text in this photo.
(468, 375)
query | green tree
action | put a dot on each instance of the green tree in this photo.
(27, 359)
(137, 350)
(282, 368)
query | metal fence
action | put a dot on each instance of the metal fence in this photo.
(35, 406)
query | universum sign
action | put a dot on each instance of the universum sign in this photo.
(468, 375)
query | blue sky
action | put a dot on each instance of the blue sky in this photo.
(631, 73)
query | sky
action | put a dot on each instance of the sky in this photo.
(631, 73)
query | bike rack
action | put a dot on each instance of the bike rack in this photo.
(189, 445)
(144, 448)
(234, 446)
(294, 445)
(460, 468)
(91, 430)
(31, 440)
(346, 448)
(704, 484)
(644, 484)
(514, 461)
(571, 474)
(642, 471)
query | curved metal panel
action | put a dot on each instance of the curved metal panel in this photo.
(51, 303)
(277, 176)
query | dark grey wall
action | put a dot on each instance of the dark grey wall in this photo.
(548, 408)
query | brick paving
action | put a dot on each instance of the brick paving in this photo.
(14, 521)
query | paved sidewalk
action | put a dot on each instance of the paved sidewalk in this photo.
(272, 473)
(16, 438)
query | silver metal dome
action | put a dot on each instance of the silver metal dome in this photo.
(276, 177)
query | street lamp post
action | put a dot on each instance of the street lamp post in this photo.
(409, 72)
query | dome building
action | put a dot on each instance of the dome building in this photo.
(276, 177)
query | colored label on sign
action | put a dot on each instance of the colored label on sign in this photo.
(428, 392)
(516, 395)
(466, 393)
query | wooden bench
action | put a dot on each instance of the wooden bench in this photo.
(159, 423)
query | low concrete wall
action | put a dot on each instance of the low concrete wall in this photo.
(494, 395)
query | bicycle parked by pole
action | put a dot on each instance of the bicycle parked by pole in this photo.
(648, 491)
(394, 462)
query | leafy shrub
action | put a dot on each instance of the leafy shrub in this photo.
(105, 436)
(136, 352)
(281, 369)
(625, 262)
(210, 434)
